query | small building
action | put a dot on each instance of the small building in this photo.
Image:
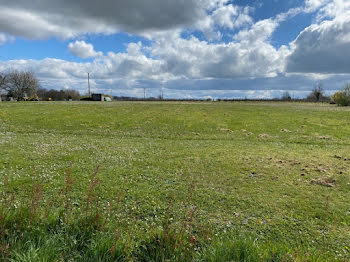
(97, 97)
(100, 97)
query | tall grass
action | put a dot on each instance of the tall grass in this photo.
(45, 228)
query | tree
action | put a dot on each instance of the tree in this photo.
(342, 98)
(317, 94)
(18, 84)
(286, 96)
(41, 92)
(3, 81)
(71, 94)
(58, 95)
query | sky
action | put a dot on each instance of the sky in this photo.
(181, 48)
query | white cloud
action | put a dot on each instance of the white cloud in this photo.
(108, 75)
(323, 48)
(259, 32)
(319, 51)
(83, 50)
(5, 38)
(224, 17)
(172, 57)
(250, 56)
(333, 9)
(313, 5)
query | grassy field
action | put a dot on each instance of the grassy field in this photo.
(142, 181)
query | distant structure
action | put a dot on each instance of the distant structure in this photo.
(100, 97)
(97, 97)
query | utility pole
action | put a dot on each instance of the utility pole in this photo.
(161, 93)
(144, 93)
(89, 84)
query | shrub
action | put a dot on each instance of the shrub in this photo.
(86, 98)
(342, 98)
(317, 94)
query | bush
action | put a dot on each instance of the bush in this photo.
(86, 98)
(317, 94)
(342, 98)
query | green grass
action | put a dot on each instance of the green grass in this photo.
(176, 181)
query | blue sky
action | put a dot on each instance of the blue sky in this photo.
(193, 48)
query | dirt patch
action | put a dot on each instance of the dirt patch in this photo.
(305, 171)
(328, 181)
(226, 130)
(323, 137)
(322, 169)
(285, 130)
(263, 136)
(341, 158)
(246, 132)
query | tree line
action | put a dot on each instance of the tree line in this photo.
(341, 97)
(58, 95)
(24, 85)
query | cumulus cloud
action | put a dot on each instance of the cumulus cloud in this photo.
(224, 17)
(64, 18)
(322, 48)
(245, 60)
(132, 64)
(249, 54)
(42, 19)
(83, 50)
(127, 74)
(170, 56)
(192, 58)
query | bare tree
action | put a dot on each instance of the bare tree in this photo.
(286, 96)
(3, 81)
(317, 94)
(71, 94)
(18, 84)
